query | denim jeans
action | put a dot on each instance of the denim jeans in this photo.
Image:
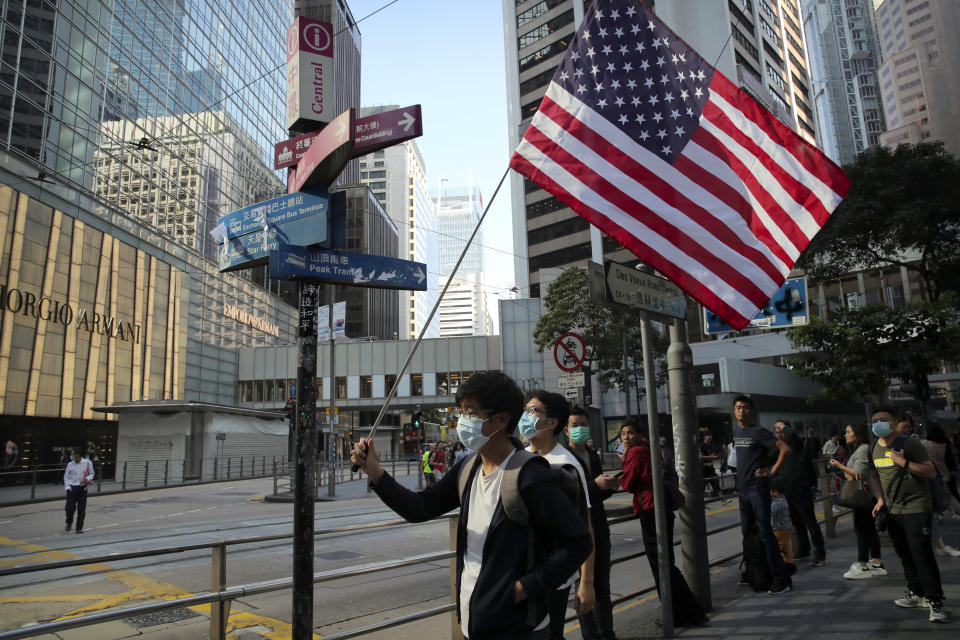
(755, 510)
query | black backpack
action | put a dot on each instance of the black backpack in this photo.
(754, 565)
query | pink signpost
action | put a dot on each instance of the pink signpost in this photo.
(327, 155)
(310, 86)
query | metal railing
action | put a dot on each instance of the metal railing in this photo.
(221, 596)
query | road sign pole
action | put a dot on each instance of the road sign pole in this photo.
(693, 521)
(328, 450)
(664, 540)
(305, 467)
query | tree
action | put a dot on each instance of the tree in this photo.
(903, 209)
(856, 355)
(570, 308)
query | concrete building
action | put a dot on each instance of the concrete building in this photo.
(757, 43)
(397, 177)
(919, 84)
(844, 53)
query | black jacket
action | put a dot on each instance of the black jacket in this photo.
(593, 467)
(562, 544)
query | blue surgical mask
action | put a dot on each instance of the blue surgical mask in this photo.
(528, 425)
(469, 431)
(882, 429)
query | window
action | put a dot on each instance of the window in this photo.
(416, 384)
(366, 386)
(341, 387)
(388, 381)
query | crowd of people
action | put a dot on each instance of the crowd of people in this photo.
(550, 493)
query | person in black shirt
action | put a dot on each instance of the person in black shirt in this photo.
(707, 455)
(795, 475)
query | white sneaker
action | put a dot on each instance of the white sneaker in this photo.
(951, 551)
(941, 551)
(910, 600)
(857, 572)
(936, 612)
(877, 569)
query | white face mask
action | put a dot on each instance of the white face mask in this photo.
(470, 431)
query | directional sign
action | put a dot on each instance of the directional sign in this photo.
(274, 212)
(370, 133)
(382, 130)
(328, 154)
(787, 308)
(310, 74)
(340, 267)
(638, 290)
(571, 393)
(570, 351)
(571, 380)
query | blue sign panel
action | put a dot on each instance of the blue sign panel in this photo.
(787, 308)
(275, 212)
(340, 267)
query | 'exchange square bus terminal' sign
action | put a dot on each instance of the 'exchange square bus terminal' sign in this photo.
(310, 93)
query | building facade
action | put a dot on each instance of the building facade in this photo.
(397, 177)
(844, 56)
(919, 84)
(758, 44)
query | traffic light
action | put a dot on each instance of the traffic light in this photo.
(418, 423)
(291, 410)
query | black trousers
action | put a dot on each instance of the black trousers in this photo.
(708, 473)
(76, 501)
(868, 542)
(686, 609)
(597, 624)
(557, 606)
(910, 534)
(804, 520)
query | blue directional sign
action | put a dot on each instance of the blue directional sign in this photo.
(787, 308)
(340, 267)
(294, 219)
(275, 212)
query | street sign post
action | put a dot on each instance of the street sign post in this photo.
(634, 289)
(787, 308)
(310, 83)
(328, 154)
(341, 267)
(570, 351)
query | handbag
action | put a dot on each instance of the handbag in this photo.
(855, 494)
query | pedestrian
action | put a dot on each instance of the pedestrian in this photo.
(901, 467)
(637, 478)
(505, 570)
(598, 623)
(460, 452)
(753, 444)
(780, 521)
(830, 446)
(936, 444)
(798, 493)
(545, 416)
(708, 454)
(811, 445)
(76, 479)
(10, 458)
(426, 458)
(857, 469)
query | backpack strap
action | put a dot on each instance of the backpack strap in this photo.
(513, 505)
(466, 470)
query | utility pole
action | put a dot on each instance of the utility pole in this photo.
(693, 520)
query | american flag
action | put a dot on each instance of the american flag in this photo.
(646, 140)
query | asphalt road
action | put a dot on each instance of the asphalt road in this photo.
(220, 512)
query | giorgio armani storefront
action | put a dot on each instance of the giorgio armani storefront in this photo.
(97, 310)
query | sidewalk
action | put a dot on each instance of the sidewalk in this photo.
(822, 604)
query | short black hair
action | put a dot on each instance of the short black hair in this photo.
(494, 391)
(786, 423)
(640, 427)
(577, 410)
(76, 450)
(776, 484)
(935, 433)
(747, 400)
(556, 405)
(887, 409)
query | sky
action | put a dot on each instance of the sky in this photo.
(447, 55)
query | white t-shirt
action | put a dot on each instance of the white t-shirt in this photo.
(558, 457)
(484, 496)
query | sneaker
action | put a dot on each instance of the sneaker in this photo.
(67, 528)
(819, 559)
(79, 530)
(780, 586)
(910, 600)
(951, 551)
(877, 569)
(941, 551)
(742, 580)
(857, 572)
(936, 612)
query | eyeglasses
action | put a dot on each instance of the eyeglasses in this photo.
(534, 411)
(473, 412)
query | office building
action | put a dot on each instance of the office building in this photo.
(844, 58)
(397, 177)
(919, 83)
(758, 44)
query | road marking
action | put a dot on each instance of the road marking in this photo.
(194, 510)
(6, 522)
(228, 488)
(142, 588)
(173, 515)
(133, 521)
(105, 526)
(635, 603)
(208, 508)
(143, 499)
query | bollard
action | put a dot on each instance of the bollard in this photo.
(100, 480)
(274, 476)
(219, 611)
(183, 474)
(263, 465)
(393, 467)
(146, 472)
(123, 484)
(456, 633)
(829, 519)
(33, 484)
(215, 468)
(229, 465)
(166, 472)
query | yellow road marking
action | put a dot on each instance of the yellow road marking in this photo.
(140, 587)
(631, 605)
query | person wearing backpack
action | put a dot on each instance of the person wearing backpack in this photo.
(638, 480)
(753, 444)
(508, 562)
(901, 470)
(544, 418)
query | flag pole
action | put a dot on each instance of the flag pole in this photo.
(423, 330)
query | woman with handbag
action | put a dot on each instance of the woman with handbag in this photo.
(856, 494)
